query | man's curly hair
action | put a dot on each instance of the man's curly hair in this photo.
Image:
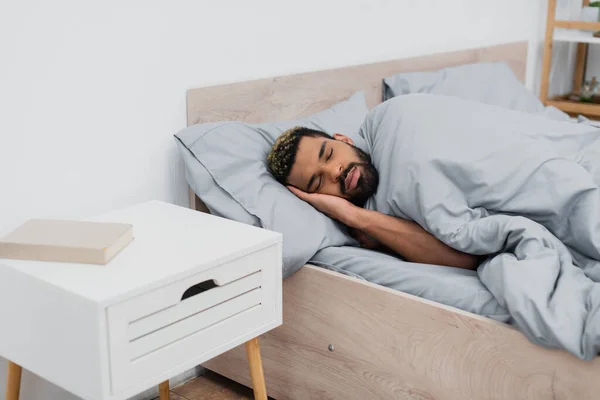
(282, 156)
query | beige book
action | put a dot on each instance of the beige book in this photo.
(66, 241)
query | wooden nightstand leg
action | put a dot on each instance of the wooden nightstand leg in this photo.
(256, 369)
(163, 391)
(13, 381)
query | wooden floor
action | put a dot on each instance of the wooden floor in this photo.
(211, 387)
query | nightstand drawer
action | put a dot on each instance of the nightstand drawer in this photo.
(208, 301)
(157, 331)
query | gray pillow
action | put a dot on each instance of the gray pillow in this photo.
(217, 200)
(489, 83)
(240, 187)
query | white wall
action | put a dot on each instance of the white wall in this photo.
(92, 92)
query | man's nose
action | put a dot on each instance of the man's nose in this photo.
(335, 172)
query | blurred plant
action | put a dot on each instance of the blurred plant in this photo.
(589, 90)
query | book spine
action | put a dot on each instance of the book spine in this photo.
(20, 251)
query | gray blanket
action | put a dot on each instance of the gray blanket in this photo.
(521, 188)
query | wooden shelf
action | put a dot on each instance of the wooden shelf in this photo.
(586, 26)
(580, 32)
(575, 107)
(566, 35)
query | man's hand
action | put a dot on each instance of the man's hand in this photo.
(338, 209)
(405, 238)
(334, 207)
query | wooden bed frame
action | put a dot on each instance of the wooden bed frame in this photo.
(343, 338)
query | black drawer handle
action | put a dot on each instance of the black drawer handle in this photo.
(198, 288)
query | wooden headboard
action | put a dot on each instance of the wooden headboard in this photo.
(293, 96)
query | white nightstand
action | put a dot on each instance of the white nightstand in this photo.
(189, 287)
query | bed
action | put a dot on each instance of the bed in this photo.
(346, 338)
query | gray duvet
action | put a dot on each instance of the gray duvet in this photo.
(521, 188)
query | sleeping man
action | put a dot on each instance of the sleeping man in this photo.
(337, 178)
(521, 189)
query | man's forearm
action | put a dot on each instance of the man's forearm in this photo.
(410, 241)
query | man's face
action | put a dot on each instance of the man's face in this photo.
(334, 167)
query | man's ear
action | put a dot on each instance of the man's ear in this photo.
(343, 138)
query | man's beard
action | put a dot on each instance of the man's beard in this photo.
(367, 183)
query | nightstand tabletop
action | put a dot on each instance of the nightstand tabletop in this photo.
(170, 243)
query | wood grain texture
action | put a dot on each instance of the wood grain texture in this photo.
(293, 96)
(390, 345)
(547, 56)
(256, 369)
(211, 386)
(582, 48)
(13, 381)
(583, 25)
(575, 108)
(580, 64)
(163, 391)
(196, 203)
